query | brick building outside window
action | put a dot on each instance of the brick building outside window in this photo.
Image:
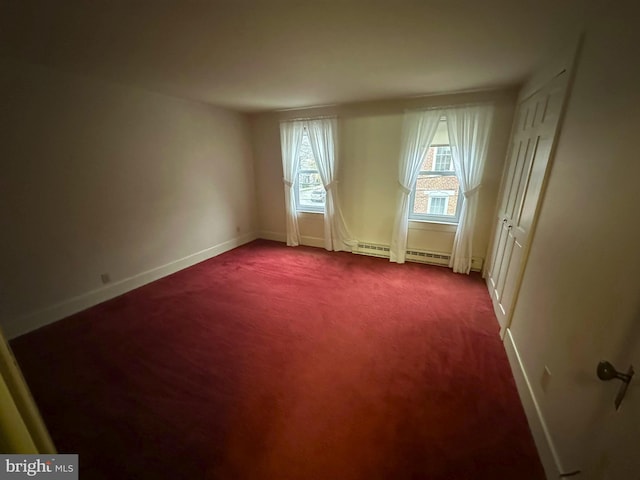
(437, 191)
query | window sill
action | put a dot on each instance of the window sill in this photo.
(311, 212)
(432, 225)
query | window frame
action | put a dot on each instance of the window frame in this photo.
(296, 187)
(431, 218)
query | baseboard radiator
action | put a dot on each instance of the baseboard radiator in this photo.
(413, 255)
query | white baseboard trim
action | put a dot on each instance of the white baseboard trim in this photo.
(40, 318)
(282, 237)
(546, 449)
(274, 236)
(312, 241)
(370, 250)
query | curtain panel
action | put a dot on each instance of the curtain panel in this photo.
(290, 142)
(469, 129)
(418, 130)
(323, 136)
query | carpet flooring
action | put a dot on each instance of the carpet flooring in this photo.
(269, 362)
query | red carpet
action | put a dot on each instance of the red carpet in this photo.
(280, 363)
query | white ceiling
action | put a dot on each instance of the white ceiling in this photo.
(254, 55)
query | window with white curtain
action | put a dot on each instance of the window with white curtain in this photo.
(310, 194)
(436, 193)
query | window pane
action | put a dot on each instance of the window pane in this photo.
(437, 205)
(438, 159)
(442, 159)
(431, 187)
(311, 193)
(436, 193)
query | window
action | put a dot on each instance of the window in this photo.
(436, 194)
(442, 159)
(310, 193)
(437, 205)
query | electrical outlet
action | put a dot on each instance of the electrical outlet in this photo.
(545, 379)
(105, 278)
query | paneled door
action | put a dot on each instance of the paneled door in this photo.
(532, 140)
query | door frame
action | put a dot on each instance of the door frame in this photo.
(22, 429)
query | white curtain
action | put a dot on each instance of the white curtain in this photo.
(290, 141)
(418, 130)
(469, 129)
(323, 136)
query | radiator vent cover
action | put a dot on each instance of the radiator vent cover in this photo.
(373, 250)
(419, 253)
(421, 256)
(436, 258)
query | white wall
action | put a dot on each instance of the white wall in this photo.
(580, 297)
(101, 178)
(370, 137)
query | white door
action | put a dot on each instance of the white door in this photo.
(533, 135)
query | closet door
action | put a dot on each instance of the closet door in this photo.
(532, 140)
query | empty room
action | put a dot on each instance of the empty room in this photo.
(276, 239)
